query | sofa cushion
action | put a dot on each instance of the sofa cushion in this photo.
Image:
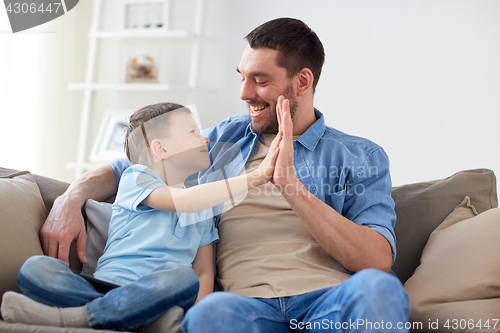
(98, 217)
(459, 274)
(22, 213)
(49, 188)
(421, 207)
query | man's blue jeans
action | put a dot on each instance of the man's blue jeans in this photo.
(369, 301)
(50, 281)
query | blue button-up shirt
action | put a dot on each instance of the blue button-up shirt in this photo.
(348, 173)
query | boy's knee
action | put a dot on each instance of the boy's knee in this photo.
(36, 265)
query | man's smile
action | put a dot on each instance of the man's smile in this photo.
(257, 110)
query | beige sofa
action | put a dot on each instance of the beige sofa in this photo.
(454, 219)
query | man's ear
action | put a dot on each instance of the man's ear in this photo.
(159, 149)
(305, 80)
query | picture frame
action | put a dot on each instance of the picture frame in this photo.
(141, 64)
(109, 143)
(144, 14)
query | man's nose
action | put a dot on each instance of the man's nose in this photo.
(247, 91)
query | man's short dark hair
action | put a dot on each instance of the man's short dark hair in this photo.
(145, 125)
(298, 45)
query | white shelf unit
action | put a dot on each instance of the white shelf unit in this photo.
(89, 87)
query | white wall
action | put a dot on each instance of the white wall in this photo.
(421, 78)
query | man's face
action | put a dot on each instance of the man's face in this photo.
(262, 82)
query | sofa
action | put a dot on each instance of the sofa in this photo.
(448, 254)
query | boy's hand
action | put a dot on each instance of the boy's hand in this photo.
(266, 168)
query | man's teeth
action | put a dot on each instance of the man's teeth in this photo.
(256, 109)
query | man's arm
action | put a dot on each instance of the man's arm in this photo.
(65, 221)
(355, 246)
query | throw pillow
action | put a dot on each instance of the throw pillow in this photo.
(98, 217)
(421, 207)
(457, 284)
(22, 213)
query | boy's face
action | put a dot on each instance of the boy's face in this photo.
(185, 146)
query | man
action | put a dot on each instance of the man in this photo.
(310, 252)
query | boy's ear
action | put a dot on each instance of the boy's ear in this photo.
(159, 149)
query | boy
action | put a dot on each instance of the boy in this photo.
(157, 231)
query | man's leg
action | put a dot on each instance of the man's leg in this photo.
(145, 300)
(369, 301)
(222, 312)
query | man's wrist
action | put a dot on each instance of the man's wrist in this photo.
(72, 199)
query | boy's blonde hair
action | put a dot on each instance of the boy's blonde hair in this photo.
(146, 125)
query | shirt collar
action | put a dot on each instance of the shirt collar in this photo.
(310, 138)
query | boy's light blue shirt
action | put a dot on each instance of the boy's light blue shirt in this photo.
(141, 238)
(348, 173)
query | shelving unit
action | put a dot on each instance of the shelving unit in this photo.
(90, 87)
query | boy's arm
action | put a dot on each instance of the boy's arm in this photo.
(208, 195)
(65, 221)
(203, 265)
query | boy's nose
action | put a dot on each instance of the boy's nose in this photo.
(206, 140)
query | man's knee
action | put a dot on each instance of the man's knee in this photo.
(376, 284)
(213, 309)
(211, 306)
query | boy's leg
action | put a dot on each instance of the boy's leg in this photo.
(55, 295)
(145, 300)
(222, 312)
(50, 281)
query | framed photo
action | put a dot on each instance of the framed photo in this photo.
(108, 144)
(141, 63)
(144, 14)
(141, 68)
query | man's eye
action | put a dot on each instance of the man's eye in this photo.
(260, 83)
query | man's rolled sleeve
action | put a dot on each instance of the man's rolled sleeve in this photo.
(368, 199)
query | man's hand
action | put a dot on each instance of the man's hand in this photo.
(284, 176)
(65, 221)
(63, 225)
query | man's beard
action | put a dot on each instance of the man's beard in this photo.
(270, 125)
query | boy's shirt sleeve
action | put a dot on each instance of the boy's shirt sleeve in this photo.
(119, 166)
(136, 184)
(210, 233)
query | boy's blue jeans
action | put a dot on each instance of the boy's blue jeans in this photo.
(369, 301)
(50, 281)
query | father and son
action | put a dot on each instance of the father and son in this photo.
(303, 249)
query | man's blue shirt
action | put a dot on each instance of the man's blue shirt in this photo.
(348, 173)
